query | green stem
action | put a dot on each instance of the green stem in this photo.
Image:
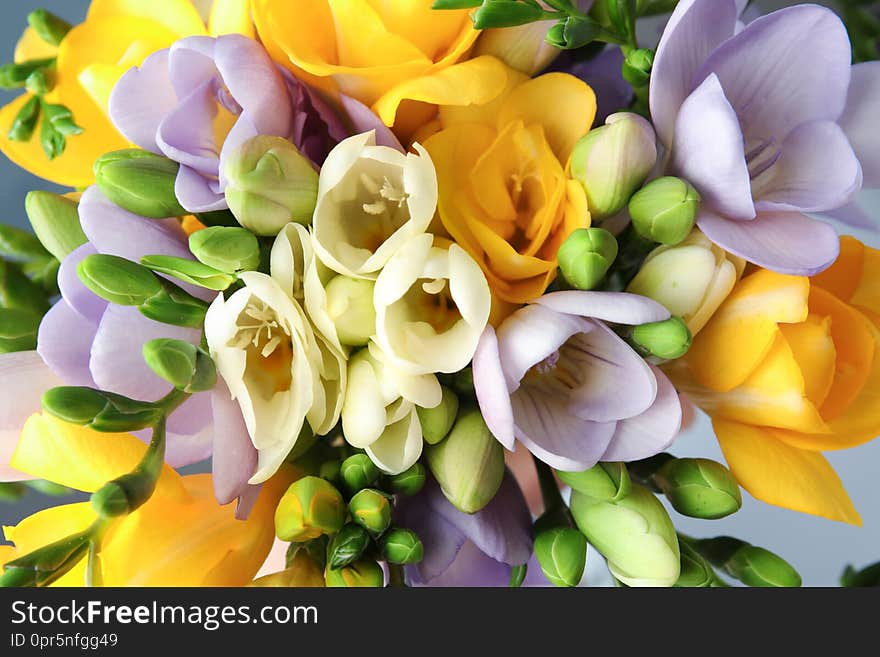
(549, 488)
(396, 576)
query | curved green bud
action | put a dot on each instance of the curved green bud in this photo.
(311, 507)
(99, 410)
(18, 291)
(47, 564)
(55, 220)
(110, 501)
(269, 184)
(562, 554)
(637, 67)
(40, 82)
(695, 571)
(752, 565)
(586, 255)
(665, 210)
(175, 306)
(669, 339)
(60, 120)
(347, 545)
(118, 280)
(350, 306)
(363, 573)
(699, 488)
(49, 27)
(182, 364)
(468, 464)
(612, 161)
(15, 75)
(189, 271)
(604, 481)
(402, 546)
(437, 422)
(25, 122)
(358, 472)
(226, 249)
(371, 509)
(410, 481)
(518, 575)
(634, 534)
(140, 182)
(18, 329)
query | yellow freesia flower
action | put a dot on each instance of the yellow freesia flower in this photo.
(180, 537)
(786, 368)
(505, 194)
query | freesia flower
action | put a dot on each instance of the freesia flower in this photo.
(371, 200)
(90, 59)
(227, 16)
(180, 537)
(432, 304)
(787, 368)
(760, 123)
(468, 549)
(199, 100)
(555, 377)
(505, 196)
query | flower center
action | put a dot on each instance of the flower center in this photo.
(557, 371)
(258, 327)
(387, 204)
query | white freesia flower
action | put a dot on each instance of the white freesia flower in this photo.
(432, 305)
(379, 414)
(371, 200)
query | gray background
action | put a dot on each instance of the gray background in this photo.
(818, 548)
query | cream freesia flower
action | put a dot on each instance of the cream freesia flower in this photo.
(432, 303)
(371, 200)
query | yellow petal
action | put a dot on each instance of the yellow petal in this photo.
(31, 46)
(178, 16)
(486, 113)
(744, 328)
(302, 572)
(785, 476)
(842, 278)
(231, 17)
(867, 295)
(814, 351)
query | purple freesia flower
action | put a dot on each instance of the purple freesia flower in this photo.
(200, 99)
(559, 380)
(758, 121)
(468, 549)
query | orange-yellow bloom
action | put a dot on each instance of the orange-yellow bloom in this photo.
(180, 537)
(787, 369)
(505, 194)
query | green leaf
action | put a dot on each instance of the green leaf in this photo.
(18, 329)
(17, 291)
(20, 245)
(506, 13)
(456, 4)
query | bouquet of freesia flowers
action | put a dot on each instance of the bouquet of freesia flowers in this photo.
(434, 286)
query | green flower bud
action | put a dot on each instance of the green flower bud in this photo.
(363, 573)
(468, 464)
(12, 491)
(410, 481)
(371, 510)
(189, 271)
(182, 364)
(348, 545)
(402, 546)
(637, 67)
(226, 249)
(25, 122)
(699, 488)
(752, 565)
(669, 339)
(140, 182)
(518, 575)
(18, 329)
(40, 82)
(437, 422)
(350, 306)
(311, 507)
(99, 410)
(47, 564)
(586, 255)
(49, 27)
(358, 471)
(17, 291)
(463, 382)
(118, 280)
(604, 481)
(612, 161)
(269, 184)
(665, 210)
(562, 554)
(330, 470)
(634, 534)
(15, 75)
(868, 576)
(110, 501)
(60, 119)
(695, 571)
(175, 306)
(55, 221)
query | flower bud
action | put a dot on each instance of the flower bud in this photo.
(182, 364)
(99, 410)
(634, 534)
(699, 488)
(586, 255)
(522, 47)
(226, 249)
(140, 182)
(269, 183)
(637, 67)
(562, 554)
(752, 565)
(604, 481)
(25, 122)
(49, 27)
(40, 82)
(867, 576)
(118, 280)
(402, 546)
(410, 481)
(15, 75)
(110, 501)
(358, 472)
(348, 545)
(18, 329)
(518, 575)
(363, 573)
(55, 221)
(468, 464)
(612, 161)
(695, 572)
(437, 422)
(665, 210)
(189, 271)
(669, 339)
(174, 306)
(310, 507)
(371, 510)
(350, 306)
